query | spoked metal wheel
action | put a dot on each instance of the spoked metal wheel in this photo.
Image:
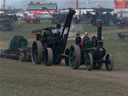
(48, 57)
(74, 57)
(37, 52)
(88, 60)
(109, 62)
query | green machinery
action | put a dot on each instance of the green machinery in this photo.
(91, 53)
(18, 49)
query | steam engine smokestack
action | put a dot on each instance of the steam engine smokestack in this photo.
(99, 33)
(99, 29)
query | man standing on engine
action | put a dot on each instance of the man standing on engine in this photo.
(86, 38)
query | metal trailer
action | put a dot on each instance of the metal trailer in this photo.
(18, 49)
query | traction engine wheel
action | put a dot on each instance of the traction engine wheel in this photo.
(88, 59)
(109, 62)
(48, 57)
(74, 57)
(37, 52)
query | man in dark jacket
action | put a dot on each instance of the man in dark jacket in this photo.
(78, 39)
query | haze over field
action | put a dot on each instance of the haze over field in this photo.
(61, 3)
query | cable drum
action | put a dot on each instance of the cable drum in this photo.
(17, 42)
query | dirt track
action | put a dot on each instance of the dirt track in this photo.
(26, 79)
(117, 75)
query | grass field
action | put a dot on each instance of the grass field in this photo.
(25, 79)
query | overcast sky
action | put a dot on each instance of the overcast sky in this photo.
(61, 3)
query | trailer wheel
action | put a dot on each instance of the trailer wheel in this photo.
(109, 62)
(37, 52)
(88, 59)
(21, 57)
(74, 57)
(48, 57)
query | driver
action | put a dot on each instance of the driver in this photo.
(86, 38)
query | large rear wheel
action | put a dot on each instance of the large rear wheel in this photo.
(88, 60)
(37, 52)
(109, 62)
(48, 57)
(74, 57)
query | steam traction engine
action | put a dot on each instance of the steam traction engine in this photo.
(50, 46)
(90, 53)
